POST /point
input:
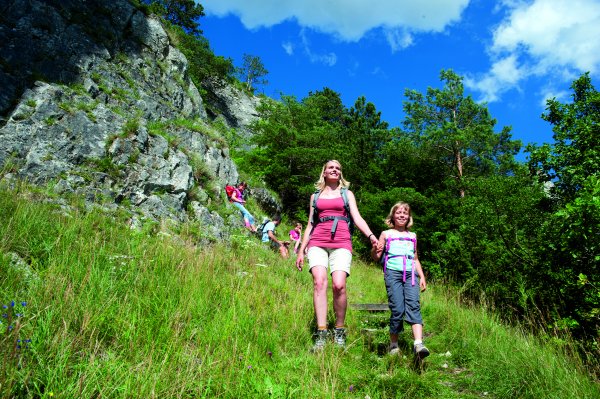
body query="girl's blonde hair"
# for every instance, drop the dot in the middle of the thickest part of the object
(390, 218)
(320, 184)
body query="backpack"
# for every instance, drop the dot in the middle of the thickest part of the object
(316, 219)
(385, 256)
(229, 191)
(261, 227)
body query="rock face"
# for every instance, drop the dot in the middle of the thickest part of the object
(92, 100)
(233, 106)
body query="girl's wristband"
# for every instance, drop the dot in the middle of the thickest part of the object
(369, 236)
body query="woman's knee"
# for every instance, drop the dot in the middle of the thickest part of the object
(319, 281)
(339, 287)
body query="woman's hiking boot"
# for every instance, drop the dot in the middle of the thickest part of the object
(320, 340)
(339, 337)
(421, 351)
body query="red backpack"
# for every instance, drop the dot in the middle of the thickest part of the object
(229, 190)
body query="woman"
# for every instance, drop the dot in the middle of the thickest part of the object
(327, 239)
(237, 198)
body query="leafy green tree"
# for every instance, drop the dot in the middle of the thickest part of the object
(498, 229)
(458, 132)
(575, 154)
(253, 71)
(290, 150)
(362, 138)
(328, 104)
(571, 167)
(184, 13)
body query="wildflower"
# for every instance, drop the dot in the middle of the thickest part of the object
(351, 388)
(249, 367)
(5, 315)
(4, 306)
(270, 354)
(23, 303)
(12, 304)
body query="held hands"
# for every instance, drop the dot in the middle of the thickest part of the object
(374, 241)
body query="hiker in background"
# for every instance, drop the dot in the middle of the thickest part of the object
(295, 235)
(328, 241)
(268, 235)
(242, 187)
(403, 277)
(237, 198)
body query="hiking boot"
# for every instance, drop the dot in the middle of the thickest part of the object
(421, 351)
(339, 337)
(320, 340)
(394, 350)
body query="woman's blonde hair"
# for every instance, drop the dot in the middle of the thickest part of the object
(390, 218)
(320, 184)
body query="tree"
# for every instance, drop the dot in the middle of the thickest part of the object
(253, 71)
(363, 137)
(457, 131)
(184, 13)
(328, 103)
(290, 150)
(572, 243)
(575, 154)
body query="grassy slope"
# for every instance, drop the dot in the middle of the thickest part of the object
(114, 313)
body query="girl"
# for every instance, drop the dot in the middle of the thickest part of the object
(237, 198)
(295, 235)
(398, 246)
(330, 247)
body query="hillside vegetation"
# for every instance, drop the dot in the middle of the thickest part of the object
(93, 309)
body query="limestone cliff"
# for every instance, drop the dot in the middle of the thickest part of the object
(95, 100)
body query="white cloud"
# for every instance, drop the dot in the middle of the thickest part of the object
(353, 70)
(288, 48)
(552, 38)
(348, 20)
(505, 74)
(329, 59)
(548, 93)
(398, 39)
(378, 71)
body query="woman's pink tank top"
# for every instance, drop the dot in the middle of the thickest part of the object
(321, 235)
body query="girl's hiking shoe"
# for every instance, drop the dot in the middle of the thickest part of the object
(320, 340)
(339, 337)
(421, 351)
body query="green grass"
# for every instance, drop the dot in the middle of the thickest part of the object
(115, 313)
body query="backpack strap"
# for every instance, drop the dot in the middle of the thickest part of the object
(347, 219)
(315, 218)
(387, 256)
(344, 192)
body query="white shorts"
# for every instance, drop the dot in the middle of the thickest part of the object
(334, 258)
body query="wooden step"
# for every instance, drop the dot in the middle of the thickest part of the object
(371, 307)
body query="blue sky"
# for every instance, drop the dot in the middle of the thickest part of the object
(512, 54)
